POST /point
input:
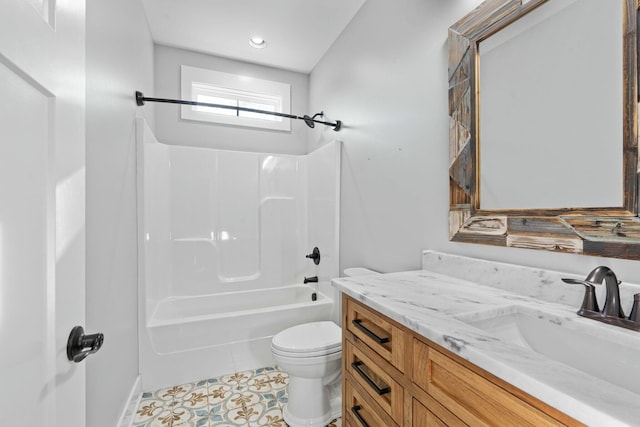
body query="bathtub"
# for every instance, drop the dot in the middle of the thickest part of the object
(189, 323)
(221, 257)
(188, 339)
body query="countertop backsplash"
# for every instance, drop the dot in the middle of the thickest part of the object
(537, 283)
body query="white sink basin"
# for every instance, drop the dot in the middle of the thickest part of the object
(597, 349)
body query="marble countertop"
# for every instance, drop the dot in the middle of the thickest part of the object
(432, 304)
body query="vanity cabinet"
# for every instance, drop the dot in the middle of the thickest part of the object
(395, 377)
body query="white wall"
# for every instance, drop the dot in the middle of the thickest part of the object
(119, 61)
(386, 78)
(171, 129)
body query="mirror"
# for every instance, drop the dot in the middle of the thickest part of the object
(537, 85)
(543, 126)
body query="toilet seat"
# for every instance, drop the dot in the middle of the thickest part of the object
(308, 340)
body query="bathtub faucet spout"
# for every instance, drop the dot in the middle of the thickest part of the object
(313, 279)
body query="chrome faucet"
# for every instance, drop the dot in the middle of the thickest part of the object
(612, 310)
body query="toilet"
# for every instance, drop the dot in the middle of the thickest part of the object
(311, 354)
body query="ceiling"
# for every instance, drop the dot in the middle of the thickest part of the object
(298, 32)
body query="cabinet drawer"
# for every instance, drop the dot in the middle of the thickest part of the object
(345, 422)
(359, 412)
(374, 330)
(382, 388)
(476, 400)
(422, 417)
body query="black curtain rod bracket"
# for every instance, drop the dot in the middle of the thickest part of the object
(310, 121)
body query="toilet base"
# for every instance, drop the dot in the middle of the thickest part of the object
(311, 403)
(321, 421)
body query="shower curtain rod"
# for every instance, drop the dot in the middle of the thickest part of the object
(310, 121)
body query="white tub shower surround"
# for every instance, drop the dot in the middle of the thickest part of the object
(223, 238)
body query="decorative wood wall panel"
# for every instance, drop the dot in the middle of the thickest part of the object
(612, 232)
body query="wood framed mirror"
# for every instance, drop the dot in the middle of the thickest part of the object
(602, 222)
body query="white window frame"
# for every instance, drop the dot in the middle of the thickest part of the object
(196, 81)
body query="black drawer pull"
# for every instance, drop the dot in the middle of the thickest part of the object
(358, 324)
(380, 391)
(355, 410)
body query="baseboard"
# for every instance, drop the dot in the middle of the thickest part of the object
(130, 407)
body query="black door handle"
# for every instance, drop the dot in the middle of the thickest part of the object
(79, 345)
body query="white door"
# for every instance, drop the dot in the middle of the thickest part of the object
(42, 181)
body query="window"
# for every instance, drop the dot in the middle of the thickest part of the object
(215, 87)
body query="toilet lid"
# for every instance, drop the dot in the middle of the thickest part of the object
(323, 337)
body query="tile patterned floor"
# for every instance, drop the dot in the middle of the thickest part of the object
(248, 399)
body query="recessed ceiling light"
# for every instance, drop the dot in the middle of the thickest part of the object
(257, 42)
